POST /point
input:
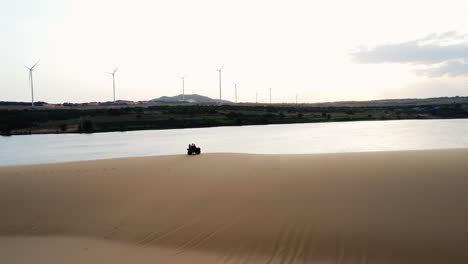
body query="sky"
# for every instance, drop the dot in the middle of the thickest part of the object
(319, 50)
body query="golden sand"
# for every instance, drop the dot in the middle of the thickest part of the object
(384, 207)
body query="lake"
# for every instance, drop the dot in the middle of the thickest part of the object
(272, 139)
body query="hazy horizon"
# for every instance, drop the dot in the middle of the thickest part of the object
(322, 52)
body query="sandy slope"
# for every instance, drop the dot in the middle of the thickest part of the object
(387, 207)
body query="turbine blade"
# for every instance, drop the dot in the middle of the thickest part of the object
(35, 65)
(222, 66)
(116, 69)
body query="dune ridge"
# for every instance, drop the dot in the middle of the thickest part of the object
(382, 207)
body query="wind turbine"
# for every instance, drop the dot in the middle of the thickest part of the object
(220, 69)
(296, 99)
(235, 90)
(183, 87)
(31, 82)
(113, 80)
(256, 97)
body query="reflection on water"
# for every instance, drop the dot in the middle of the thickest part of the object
(293, 138)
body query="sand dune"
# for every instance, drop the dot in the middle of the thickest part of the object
(385, 207)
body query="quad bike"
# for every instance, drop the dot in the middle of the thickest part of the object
(193, 150)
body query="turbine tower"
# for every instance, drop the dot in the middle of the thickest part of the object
(235, 90)
(220, 69)
(296, 98)
(270, 95)
(256, 97)
(183, 87)
(113, 80)
(31, 82)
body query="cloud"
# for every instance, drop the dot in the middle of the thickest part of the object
(449, 68)
(437, 54)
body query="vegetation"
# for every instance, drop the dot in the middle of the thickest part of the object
(5, 103)
(69, 120)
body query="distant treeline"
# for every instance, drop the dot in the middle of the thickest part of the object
(6, 103)
(43, 120)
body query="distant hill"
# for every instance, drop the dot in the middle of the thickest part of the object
(191, 98)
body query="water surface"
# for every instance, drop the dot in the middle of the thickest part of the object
(272, 139)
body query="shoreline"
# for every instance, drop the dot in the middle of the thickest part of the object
(230, 153)
(55, 132)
